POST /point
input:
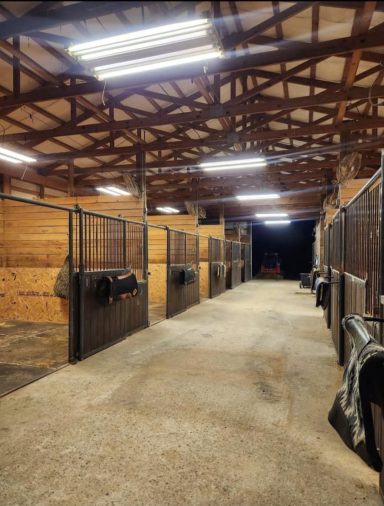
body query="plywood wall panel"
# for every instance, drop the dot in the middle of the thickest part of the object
(157, 245)
(157, 284)
(212, 230)
(204, 280)
(183, 222)
(28, 295)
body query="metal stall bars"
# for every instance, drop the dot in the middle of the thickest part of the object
(107, 246)
(217, 266)
(327, 269)
(246, 262)
(182, 260)
(362, 250)
(337, 286)
(233, 263)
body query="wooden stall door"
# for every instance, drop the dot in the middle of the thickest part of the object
(236, 264)
(246, 263)
(228, 263)
(183, 251)
(217, 271)
(107, 247)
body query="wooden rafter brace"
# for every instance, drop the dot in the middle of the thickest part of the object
(362, 21)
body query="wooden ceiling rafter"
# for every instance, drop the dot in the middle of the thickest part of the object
(231, 109)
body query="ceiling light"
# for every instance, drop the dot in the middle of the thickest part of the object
(12, 156)
(117, 190)
(155, 62)
(139, 46)
(271, 215)
(277, 222)
(167, 210)
(8, 159)
(236, 163)
(238, 166)
(151, 49)
(156, 33)
(105, 190)
(266, 196)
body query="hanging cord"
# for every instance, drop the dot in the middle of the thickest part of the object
(102, 95)
(25, 171)
(370, 99)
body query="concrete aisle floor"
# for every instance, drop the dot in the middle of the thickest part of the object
(225, 404)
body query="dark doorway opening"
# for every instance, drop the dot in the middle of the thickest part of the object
(292, 242)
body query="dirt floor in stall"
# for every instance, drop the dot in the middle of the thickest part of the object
(225, 404)
(30, 350)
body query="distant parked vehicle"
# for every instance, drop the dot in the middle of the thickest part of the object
(271, 264)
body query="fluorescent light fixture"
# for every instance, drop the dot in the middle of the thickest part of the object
(8, 159)
(271, 215)
(260, 196)
(277, 222)
(131, 38)
(117, 190)
(155, 62)
(12, 156)
(133, 52)
(167, 210)
(234, 164)
(245, 161)
(109, 192)
(140, 46)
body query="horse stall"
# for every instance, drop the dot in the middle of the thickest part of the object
(362, 251)
(157, 273)
(357, 269)
(183, 271)
(209, 276)
(34, 292)
(246, 262)
(204, 278)
(158, 258)
(337, 284)
(109, 281)
(217, 266)
(327, 271)
(233, 263)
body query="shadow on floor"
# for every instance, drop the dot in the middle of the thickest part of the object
(29, 351)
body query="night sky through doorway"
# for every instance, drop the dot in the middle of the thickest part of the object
(292, 242)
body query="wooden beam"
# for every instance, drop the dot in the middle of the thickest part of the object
(373, 38)
(362, 21)
(213, 112)
(16, 68)
(31, 176)
(48, 18)
(237, 39)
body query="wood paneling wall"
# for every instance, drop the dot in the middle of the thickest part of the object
(212, 230)
(128, 207)
(349, 189)
(33, 246)
(183, 222)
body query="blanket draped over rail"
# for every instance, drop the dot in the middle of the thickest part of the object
(323, 292)
(188, 275)
(220, 269)
(351, 413)
(114, 288)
